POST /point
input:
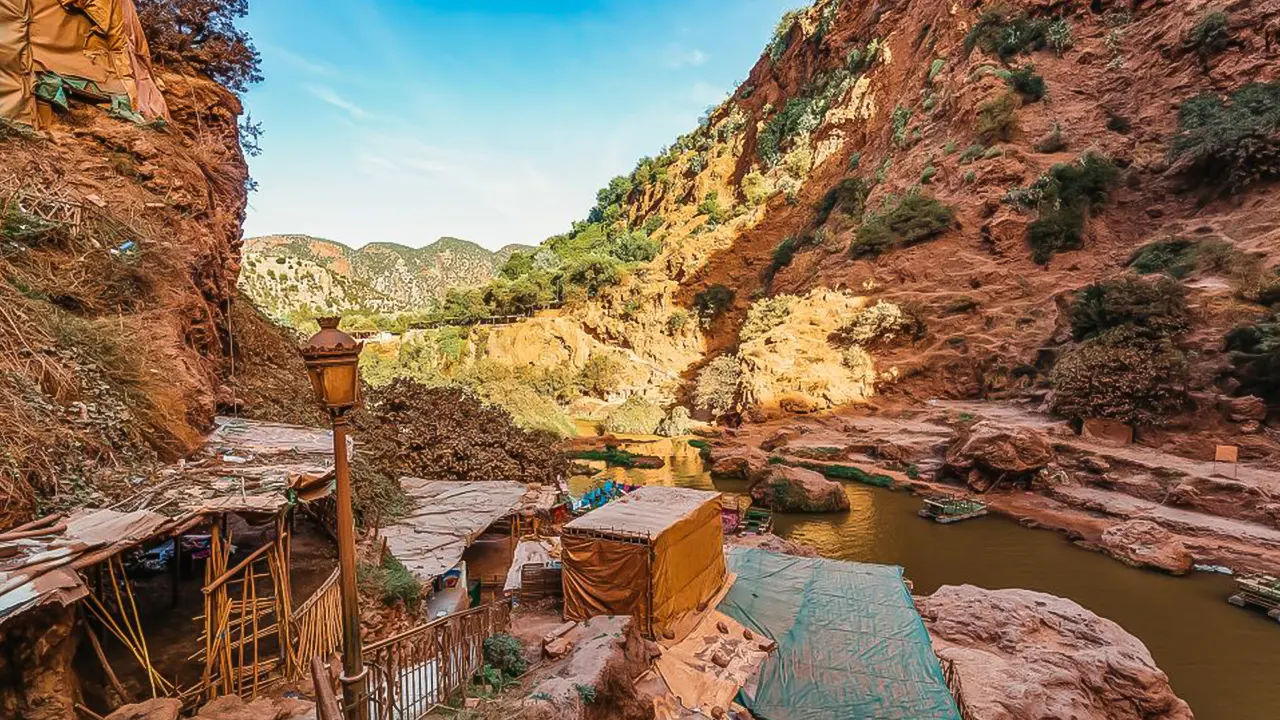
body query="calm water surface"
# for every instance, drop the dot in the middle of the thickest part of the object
(1224, 661)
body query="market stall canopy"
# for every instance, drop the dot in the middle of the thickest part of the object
(52, 50)
(656, 554)
(38, 565)
(447, 518)
(850, 642)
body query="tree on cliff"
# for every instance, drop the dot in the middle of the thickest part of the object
(202, 35)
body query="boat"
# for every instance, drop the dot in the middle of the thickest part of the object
(733, 511)
(601, 496)
(757, 521)
(1261, 591)
(948, 510)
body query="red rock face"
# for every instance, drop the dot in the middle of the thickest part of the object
(1024, 655)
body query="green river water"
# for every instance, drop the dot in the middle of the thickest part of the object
(1224, 661)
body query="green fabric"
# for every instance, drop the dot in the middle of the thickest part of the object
(51, 88)
(850, 642)
(57, 90)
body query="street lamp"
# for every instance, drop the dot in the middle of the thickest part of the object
(333, 364)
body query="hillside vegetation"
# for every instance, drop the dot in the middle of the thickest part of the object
(295, 278)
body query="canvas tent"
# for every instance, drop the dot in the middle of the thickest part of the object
(51, 50)
(447, 518)
(655, 554)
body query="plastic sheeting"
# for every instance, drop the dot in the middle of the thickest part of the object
(850, 642)
(447, 517)
(656, 555)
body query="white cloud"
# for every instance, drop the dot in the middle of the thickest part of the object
(327, 95)
(300, 62)
(678, 58)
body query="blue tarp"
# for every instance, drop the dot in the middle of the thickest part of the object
(850, 642)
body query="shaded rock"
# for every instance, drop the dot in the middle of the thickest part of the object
(893, 452)
(735, 466)
(1142, 543)
(989, 452)
(1246, 409)
(230, 707)
(156, 709)
(772, 543)
(777, 440)
(1024, 655)
(788, 489)
(1107, 432)
(1095, 465)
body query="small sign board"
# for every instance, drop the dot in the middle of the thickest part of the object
(1227, 454)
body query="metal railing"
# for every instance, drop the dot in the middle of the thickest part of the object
(957, 689)
(413, 672)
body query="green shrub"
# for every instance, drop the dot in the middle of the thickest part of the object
(901, 122)
(505, 654)
(635, 247)
(1256, 284)
(718, 384)
(998, 119)
(1001, 32)
(781, 39)
(677, 321)
(594, 273)
(971, 153)
(928, 174)
(1212, 34)
(785, 252)
(1152, 307)
(912, 219)
(598, 377)
(1255, 358)
(610, 454)
(391, 581)
(1230, 145)
(713, 301)
(935, 68)
(1121, 375)
(755, 189)
(1026, 83)
(1064, 196)
(848, 197)
(636, 416)
(710, 206)
(765, 315)
(881, 324)
(1179, 257)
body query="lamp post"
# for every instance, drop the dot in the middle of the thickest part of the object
(332, 359)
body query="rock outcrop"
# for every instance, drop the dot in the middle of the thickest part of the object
(1142, 543)
(154, 709)
(989, 452)
(789, 489)
(1024, 655)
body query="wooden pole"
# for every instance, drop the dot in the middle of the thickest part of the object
(106, 666)
(176, 576)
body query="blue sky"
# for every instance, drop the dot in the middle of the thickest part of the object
(402, 121)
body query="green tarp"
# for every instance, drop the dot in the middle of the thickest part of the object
(850, 642)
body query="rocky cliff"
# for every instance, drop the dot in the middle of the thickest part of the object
(119, 254)
(940, 182)
(289, 274)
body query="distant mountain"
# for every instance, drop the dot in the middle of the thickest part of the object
(288, 273)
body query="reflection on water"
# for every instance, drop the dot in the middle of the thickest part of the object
(1222, 660)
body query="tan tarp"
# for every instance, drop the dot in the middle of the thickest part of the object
(16, 101)
(447, 518)
(656, 555)
(692, 673)
(98, 40)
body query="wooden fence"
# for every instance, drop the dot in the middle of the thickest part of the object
(957, 690)
(419, 669)
(317, 626)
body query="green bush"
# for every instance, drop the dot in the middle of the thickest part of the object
(1064, 196)
(718, 384)
(785, 252)
(391, 581)
(881, 324)
(1002, 32)
(710, 206)
(1255, 358)
(1151, 307)
(1179, 257)
(998, 119)
(848, 197)
(677, 321)
(713, 301)
(1212, 34)
(912, 219)
(505, 654)
(1230, 145)
(781, 39)
(901, 123)
(1026, 83)
(598, 377)
(971, 153)
(765, 315)
(636, 416)
(1121, 375)
(635, 247)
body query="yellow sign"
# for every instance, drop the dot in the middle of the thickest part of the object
(1227, 454)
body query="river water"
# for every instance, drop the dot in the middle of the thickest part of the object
(1224, 661)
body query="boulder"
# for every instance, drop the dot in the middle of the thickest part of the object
(155, 709)
(789, 489)
(1246, 409)
(1142, 543)
(777, 440)
(734, 466)
(989, 452)
(230, 707)
(1107, 432)
(1024, 655)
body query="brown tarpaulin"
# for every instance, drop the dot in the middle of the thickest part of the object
(656, 578)
(97, 40)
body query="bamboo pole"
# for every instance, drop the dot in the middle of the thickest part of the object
(106, 666)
